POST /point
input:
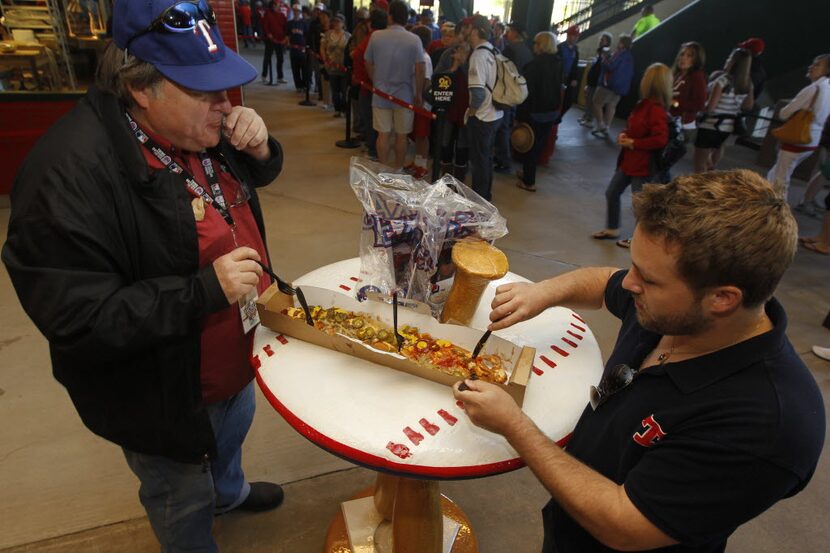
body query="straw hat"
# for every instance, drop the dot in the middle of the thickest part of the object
(521, 138)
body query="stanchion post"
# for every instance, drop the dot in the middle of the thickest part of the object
(349, 142)
(443, 88)
(307, 101)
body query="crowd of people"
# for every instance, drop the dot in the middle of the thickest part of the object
(131, 210)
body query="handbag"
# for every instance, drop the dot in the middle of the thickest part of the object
(796, 130)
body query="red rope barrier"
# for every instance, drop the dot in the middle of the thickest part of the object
(417, 109)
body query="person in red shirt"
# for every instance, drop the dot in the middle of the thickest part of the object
(689, 90)
(275, 29)
(647, 131)
(246, 29)
(378, 20)
(153, 253)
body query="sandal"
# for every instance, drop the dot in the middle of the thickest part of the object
(624, 243)
(605, 234)
(814, 247)
(528, 187)
(806, 240)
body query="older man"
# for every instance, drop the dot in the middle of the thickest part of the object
(705, 415)
(134, 245)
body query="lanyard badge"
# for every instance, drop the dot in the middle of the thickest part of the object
(215, 197)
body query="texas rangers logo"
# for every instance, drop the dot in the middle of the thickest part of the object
(204, 27)
(652, 433)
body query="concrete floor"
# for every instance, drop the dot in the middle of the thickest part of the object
(64, 489)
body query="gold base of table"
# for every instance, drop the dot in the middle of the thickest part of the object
(337, 539)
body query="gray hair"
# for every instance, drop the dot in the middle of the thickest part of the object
(118, 71)
(546, 42)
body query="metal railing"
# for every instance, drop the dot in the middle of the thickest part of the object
(587, 13)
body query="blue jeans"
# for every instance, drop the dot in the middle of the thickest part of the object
(482, 137)
(619, 182)
(181, 499)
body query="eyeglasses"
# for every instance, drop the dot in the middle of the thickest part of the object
(181, 17)
(612, 382)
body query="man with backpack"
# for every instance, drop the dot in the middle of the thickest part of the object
(483, 118)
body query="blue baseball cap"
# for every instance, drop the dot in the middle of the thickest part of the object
(181, 40)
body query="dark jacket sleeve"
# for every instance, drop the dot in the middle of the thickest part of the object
(256, 173)
(69, 264)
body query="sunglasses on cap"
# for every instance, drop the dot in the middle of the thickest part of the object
(181, 17)
(612, 382)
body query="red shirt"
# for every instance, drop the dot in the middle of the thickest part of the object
(648, 126)
(689, 95)
(275, 26)
(225, 367)
(435, 45)
(244, 12)
(359, 72)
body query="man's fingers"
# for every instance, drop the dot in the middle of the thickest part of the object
(506, 321)
(250, 266)
(244, 252)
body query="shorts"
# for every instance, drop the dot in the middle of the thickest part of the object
(421, 127)
(399, 120)
(708, 138)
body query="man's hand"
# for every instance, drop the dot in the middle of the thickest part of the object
(238, 272)
(490, 407)
(246, 131)
(624, 141)
(516, 302)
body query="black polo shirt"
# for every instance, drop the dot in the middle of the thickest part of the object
(701, 446)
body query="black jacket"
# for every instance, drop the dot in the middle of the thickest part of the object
(544, 86)
(103, 254)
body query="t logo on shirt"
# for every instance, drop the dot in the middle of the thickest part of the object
(653, 432)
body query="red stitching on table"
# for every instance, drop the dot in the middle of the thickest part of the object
(447, 417)
(268, 351)
(548, 362)
(578, 318)
(282, 339)
(579, 328)
(399, 449)
(570, 343)
(344, 287)
(431, 429)
(255, 362)
(354, 279)
(413, 436)
(538, 371)
(560, 351)
(575, 335)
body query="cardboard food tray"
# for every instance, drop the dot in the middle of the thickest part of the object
(519, 360)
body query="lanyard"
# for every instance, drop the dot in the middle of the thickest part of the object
(218, 198)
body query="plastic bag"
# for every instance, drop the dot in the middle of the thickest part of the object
(409, 227)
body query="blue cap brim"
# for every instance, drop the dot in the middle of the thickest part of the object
(229, 72)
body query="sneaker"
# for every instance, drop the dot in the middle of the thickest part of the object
(823, 353)
(502, 168)
(409, 169)
(264, 496)
(529, 187)
(281, 81)
(373, 156)
(600, 133)
(419, 172)
(586, 123)
(264, 79)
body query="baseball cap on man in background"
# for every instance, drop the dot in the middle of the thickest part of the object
(755, 46)
(181, 40)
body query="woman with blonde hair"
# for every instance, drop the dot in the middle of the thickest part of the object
(647, 132)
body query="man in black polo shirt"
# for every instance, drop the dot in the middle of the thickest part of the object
(705, 415)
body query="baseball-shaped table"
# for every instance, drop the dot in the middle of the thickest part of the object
(409, 429)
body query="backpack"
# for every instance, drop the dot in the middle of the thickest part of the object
(510, 88)
(674, 149)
